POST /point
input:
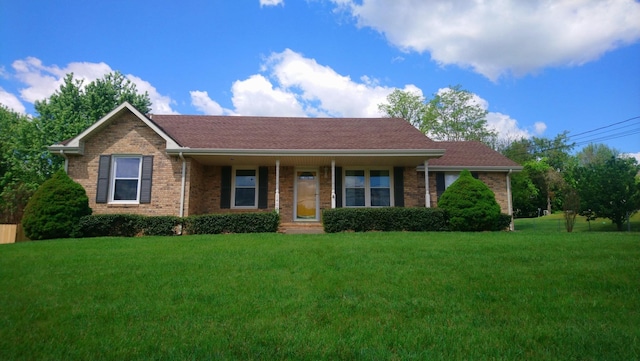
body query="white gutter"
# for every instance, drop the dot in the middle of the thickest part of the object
(184, 179)
(309, 152)
(471, 168)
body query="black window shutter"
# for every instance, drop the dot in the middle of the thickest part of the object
(225, 188)
(338, 187)
(104, 170)
(398, 186)
(145, 179)
(263, 187)
(475, 175)
(440, 186)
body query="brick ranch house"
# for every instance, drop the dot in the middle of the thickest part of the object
(185, 165)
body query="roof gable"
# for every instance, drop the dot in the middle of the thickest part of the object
(76, 144)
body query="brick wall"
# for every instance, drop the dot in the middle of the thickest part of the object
(126, 134)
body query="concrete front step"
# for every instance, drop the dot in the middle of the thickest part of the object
(301, 228)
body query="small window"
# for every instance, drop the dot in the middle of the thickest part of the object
(367, 188)
(245, 194)
(126, 179)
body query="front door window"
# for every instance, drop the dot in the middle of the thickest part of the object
(306, 195)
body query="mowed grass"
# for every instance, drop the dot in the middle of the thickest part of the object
(555, 223)
(385, 296)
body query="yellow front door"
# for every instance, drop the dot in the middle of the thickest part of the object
(306, 194)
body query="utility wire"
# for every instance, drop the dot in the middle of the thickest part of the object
(586, 137)
(607, 126)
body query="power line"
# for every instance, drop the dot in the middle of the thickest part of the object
(586, 137)
(607, 126)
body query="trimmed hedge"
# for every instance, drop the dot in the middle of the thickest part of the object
(130, 225)
(384, 219)
(260, 222)
(126, 225)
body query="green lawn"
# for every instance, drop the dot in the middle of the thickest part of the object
(555, 223)
(435, 296)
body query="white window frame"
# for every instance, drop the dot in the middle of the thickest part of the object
(234, 187)
(113, 179)
(367, 186)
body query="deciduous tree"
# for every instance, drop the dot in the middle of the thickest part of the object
(453, 115)
(611, 190)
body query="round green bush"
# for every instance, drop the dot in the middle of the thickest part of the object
(55, 208)
(471, 205)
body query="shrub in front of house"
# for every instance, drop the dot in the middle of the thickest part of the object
(55, 208)
(126, 225)
(108, 225)
(384, 219)
(257, 222)
(472, 206)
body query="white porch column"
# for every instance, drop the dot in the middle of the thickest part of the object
(427, 195)
(509, 200)
(277, 205)
(333, 183)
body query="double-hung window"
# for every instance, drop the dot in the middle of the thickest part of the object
(126, 179)
(245, 194)
(367, 188)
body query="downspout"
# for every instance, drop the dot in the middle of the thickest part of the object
(509, 201)
(277, 200)
(184, 181)
(427, 195)
(333, 183)
(66, 161)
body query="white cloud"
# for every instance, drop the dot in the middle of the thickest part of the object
(507, 127)
(292, 85)
(321, 90)
(11, 101)
(41, 81)
(202, 102)
(257, 96)
(496, 38)
(632, 155)
(160, 104)
(539, 128)
(271, 2)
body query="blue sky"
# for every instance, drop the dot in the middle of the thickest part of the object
(538, 67)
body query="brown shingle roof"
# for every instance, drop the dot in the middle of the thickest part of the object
(248, 132)
(470, 154)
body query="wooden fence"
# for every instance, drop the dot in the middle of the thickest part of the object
(11, 233)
